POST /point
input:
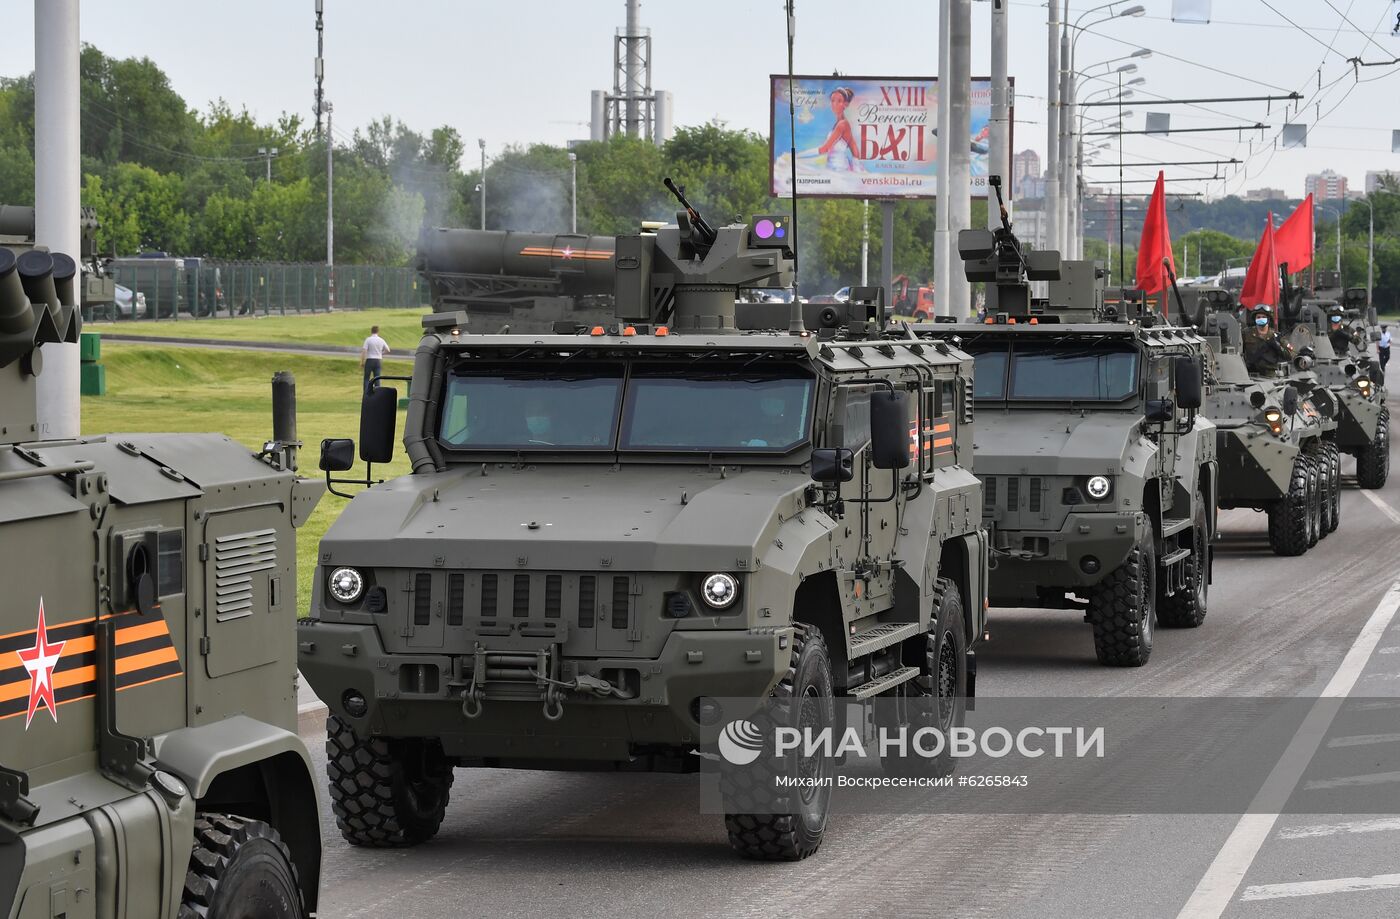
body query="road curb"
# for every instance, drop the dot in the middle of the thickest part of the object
(311, 720)
(230, 343)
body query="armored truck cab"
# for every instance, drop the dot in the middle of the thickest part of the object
(1098, 469)
(606, 530)
(149, 761)
(1273, 436)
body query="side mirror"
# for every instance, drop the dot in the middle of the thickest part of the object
(889, 430)
(832, 465)
(378, 419)
(337, 454)
(1160, 411)
(1290, 400)
(1188, 382)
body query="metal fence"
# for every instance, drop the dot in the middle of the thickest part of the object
(194, 288)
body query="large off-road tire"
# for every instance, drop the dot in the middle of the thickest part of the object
(385, 793)
(1314, 498)
(1121, 609)
(1334, 462)
(803, 698)
(1288, 518)
(1186, 609)
(1323, 461)
(1373, 460)
(240, 869)
(937, 697)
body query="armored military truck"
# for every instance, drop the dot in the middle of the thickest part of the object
(149, 762)
(1274, 446)
(1098, 467)
(96, 293)
(1337, 362)
(605, 530)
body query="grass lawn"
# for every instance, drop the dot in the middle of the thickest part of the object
(160, 388)
(400, 327)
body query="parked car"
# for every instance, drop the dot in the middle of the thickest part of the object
(129, 307)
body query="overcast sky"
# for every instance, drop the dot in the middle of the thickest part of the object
(521, 71)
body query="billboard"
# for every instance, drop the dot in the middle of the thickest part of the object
(868, 137)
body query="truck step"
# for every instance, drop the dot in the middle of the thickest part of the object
(888, 681)
(881, 636)
(1173, 525)
(1171, 558)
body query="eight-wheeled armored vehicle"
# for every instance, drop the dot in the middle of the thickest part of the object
(606, 528)
(149, 762)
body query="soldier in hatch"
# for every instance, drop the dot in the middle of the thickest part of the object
(1263, 350)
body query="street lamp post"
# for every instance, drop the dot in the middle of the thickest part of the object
(1370, 247)
(573, 197)
(1338, 214)
(268, 153)
(482, 187)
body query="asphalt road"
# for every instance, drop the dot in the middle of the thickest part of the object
(533, 844)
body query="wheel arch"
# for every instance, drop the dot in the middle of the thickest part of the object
(253, 769)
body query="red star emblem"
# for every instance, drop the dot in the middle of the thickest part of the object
(568, 252)
(40, 661)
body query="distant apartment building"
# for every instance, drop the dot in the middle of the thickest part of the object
(1326, 186)
(1374, 179)
(1023, 164)
(1265, 194)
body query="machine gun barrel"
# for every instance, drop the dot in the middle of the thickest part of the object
(703, 230)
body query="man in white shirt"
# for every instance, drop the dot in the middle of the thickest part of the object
(1383, 347)
(372, 355)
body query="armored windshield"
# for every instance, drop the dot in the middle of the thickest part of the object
(609, 407)
(715, 411)
(537, 409)
(1103, 371)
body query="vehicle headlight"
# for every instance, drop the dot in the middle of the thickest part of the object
(1273, 416)
(346, 585)
(1364, 385)
(719, 591)
(1098, 487)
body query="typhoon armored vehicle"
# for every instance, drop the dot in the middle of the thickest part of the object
(1098, 467)
(149, 765)
(607, 529)
(1274, 443)
(1338, 359)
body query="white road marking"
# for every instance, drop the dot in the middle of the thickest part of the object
(1353, 781)
(1386, 509)
(1218, 885)
(1313, 888)
(1372, 706)
(1392, 650)
(1308, 831)
(1362, 740)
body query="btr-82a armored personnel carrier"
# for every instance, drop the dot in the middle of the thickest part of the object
(1273, 436)
(149, 762)
(1098, 468)
(607, 528)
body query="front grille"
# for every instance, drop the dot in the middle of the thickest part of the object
(587, 600)
(422, 598)
(520, 601)
(553, 595)
(1035, 495)
(456, 598)
(620, 596)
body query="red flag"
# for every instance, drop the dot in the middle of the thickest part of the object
(1156, 243)
(1261, 280)
(1293, 242)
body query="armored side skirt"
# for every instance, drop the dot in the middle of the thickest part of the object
(1255, 467)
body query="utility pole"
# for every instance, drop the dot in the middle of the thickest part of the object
(268, 153)
(330, 211)
(573, 196)
(999, 136)
(320, 65)
(942, 250)
(1052, 131)
(865, 242)
(959, 291)
(482, 187)
(57, 189)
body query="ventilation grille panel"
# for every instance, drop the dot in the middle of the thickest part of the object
(237, 558)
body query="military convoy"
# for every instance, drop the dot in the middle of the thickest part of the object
(607, 528)
(1275, 428)
(149, 760)
(1098, 466)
